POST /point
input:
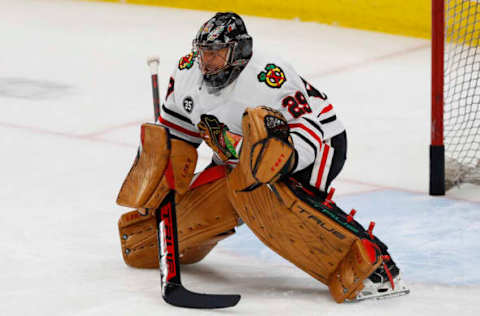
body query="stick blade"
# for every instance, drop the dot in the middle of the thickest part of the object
(177, 295)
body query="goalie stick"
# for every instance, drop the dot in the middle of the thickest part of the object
(153, 63)
(173, 292)
(172, 289)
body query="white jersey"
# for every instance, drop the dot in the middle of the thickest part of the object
(264, 81)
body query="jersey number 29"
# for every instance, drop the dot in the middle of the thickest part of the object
(297, 105)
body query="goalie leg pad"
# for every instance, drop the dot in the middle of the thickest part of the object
(305, 235)
(193, 254)
(138, 237)
(360, 262)
(291, 227)
(204, 214)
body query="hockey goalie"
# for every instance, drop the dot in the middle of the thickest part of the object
(277, 145)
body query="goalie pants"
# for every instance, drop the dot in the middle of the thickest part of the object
(339, 145)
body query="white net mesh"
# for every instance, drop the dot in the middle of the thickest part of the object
(462, 92)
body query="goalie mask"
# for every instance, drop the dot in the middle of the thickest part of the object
(224, 48)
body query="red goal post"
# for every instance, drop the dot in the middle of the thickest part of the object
(437, 151)
(455, 94)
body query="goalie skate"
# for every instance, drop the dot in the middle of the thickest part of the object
(381, 290)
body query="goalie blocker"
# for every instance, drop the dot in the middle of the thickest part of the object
(313, 233)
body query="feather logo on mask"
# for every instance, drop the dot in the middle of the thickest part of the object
(215, 33)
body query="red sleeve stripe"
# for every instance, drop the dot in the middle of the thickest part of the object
(326, 109)
(178, 128)
(321, 170)
(309, 131)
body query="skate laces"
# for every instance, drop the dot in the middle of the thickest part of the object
(385, 258)
(328, 200)
(387, 270)
(330, 194)
(370, 229)
(351, 215)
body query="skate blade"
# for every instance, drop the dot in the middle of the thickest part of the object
(382, 291)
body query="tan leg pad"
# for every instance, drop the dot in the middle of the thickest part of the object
(303, 235)
(138, 236)
(204, 213)
(347, 279)
(194, 254)
(204, 217)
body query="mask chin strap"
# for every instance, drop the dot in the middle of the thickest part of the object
(231, 53)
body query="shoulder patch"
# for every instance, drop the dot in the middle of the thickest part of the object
(186, 62)
(188, 104)
(273, 76)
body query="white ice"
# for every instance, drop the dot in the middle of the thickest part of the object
(74, 88)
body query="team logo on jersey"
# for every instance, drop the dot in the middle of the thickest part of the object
(186, 62)
(273, 76)
(188, 104)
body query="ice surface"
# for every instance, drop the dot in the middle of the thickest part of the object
(74, 88)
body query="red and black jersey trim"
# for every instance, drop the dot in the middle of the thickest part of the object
(312, 92)
(178, 128)
(308, 130)
(182, 139)
(329, 120)
(306, 140)
(176, 115)
(314, 125)
(171, 87)
(326, 109)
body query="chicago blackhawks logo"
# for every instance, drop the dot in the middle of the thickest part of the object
(186, 62)
(273, 76)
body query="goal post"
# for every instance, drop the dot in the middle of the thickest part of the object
(455, 94)
(437, 151)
